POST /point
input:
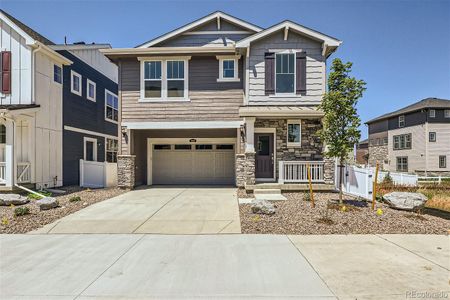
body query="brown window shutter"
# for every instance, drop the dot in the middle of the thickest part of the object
(6, 72)
(269, 83)
(301, 73)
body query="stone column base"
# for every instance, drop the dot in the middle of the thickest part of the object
(245, 169)
(329, 169)
(126, 171)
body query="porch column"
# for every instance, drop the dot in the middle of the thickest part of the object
(250, 134)
(9, 153)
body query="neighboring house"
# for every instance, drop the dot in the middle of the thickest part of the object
(222, 101)
(38, 111)
(362, 152)
(414, 139)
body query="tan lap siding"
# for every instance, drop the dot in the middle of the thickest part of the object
(209, 99)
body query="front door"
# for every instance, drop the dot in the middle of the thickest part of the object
(264, 155)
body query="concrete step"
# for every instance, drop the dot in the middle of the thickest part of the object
(266, 191)
(270, 197)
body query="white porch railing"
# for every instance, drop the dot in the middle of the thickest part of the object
(23, 172)
(297, 171)
(2, 172)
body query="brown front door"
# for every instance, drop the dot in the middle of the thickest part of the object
(264, 155)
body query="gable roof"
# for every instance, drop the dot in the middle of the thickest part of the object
(422, 104)
(289, 25)
(210, 17)
(27, 30)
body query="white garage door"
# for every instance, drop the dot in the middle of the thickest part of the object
(193, 164)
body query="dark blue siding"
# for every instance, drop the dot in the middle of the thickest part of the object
(73, 149)
(79, 112)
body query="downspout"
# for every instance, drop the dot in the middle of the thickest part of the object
(426, 143)
(14, 170)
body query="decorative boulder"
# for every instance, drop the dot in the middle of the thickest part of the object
(15, 199)
(47, 203)
(405, 201)
(263, 207)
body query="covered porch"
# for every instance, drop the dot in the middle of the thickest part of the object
(16, 147)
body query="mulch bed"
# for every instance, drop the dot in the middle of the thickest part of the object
(37, 218)
(295, 216)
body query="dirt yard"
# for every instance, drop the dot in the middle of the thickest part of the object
(36, 218)
(295, 216)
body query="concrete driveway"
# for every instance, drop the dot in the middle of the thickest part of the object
(137, 266)
(163, 210)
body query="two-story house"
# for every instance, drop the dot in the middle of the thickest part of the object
(414, 139)
(223, 101)
(54, 107)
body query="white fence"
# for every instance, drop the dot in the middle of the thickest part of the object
(297, 171)
(399, 178)
(95, 174)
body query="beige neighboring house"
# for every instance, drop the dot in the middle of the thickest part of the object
(414, 139)
(223, 101)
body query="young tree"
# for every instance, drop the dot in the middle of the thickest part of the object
(341, 121)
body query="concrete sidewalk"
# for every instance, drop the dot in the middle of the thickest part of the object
(226, 266)
(162, 210)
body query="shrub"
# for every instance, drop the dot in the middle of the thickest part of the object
(388, 179)
(36, 197)
(21, 211)
(75, 199)
(306, 196)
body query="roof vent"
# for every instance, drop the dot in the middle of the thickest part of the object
(79, 43)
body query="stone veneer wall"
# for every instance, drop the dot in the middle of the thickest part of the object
(126, 171)
(378, 154)
(311, 149)
(245, 169)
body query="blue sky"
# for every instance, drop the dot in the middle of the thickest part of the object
(400, 48)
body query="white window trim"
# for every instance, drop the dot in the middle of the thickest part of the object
(447, 113)
(295, 122)
(221, 59)
(293, 94)
(164, 97)
(106, 147)
(106, 104)
(61, 68)
(88, 139)
(88, 81)
(432, 113)
(430, 134)
(402, 117)
(73, 73)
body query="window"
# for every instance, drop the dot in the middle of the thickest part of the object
(403, 141)
(161, 147)
(164, 80)
(183, 147)
(91, 90)
(442, 161)
(112, 147)
(111, 107)
(90, 149)
(225, 147)
(401, 121)
(294, 135)
(402, 164)
(175, 79)
(432, 136)
(2, 134)
(203, 147)
(228, 68)
(57, 74)
(75, 83)
(447, 113)
(284, 73)
(385, 140)
(152, 79)
(432, 113)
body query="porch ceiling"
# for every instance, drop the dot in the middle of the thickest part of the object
(183, 125)
(280, 111)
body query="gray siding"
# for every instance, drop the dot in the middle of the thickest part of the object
(315, 72)
(209, 99)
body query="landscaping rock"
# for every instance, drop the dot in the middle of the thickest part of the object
(263, 207)
(405, 200)
(47, 203)
(15, 199)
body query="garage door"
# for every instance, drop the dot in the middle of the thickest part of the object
(193, 164)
